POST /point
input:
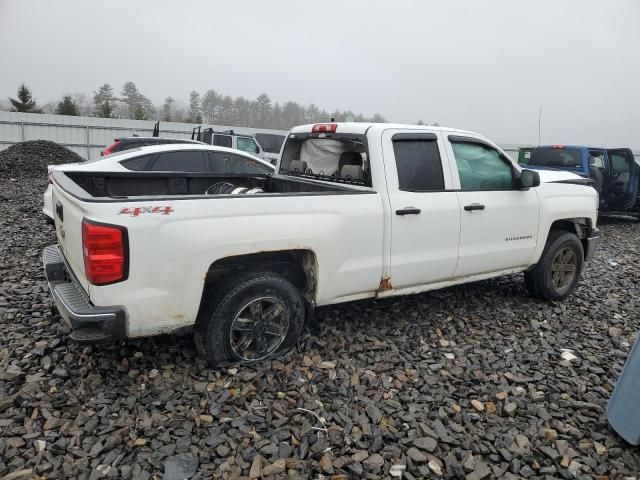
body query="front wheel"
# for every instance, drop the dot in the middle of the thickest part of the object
(257, 317)
(557, 273)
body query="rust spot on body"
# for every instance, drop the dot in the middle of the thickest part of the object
(385, 284)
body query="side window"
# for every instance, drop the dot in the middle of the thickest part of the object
(137, 164)
(229, 163)
(481, 167)
(419, 165)
(222, 140)
(247, 144)
(596, 159)
(619, 164)
(185, 161)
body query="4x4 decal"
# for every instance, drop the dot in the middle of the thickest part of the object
(137, 211)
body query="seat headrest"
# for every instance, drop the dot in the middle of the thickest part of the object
(349, 158)
(354, 172)
(298, 166)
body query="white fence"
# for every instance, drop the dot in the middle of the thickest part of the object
(88, 136)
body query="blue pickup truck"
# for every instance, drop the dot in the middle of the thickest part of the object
(614, 171)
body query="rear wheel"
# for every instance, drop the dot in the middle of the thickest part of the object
(557, 273)
(257, 318)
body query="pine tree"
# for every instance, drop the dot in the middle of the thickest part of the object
(195, 109)
(104, 101)
(263, 110)
(139, 107)
(210, 105)
(25, 101)
(167, 109)
(67, 107)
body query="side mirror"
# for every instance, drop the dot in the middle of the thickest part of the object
(529, 178)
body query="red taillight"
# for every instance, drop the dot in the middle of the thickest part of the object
(324, 128)
(557, 146)
(105, 252)
(110, 148)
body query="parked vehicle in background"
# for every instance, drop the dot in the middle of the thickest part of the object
(184, 157)
(128, 143)
(524, 154)
(614, 171)
(230, 139)
(271, 144)
(135, 141)
(356, 210)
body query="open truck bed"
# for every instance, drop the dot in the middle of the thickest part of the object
(118, 186)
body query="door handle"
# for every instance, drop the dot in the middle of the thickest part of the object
(473, 206)
(408, 211)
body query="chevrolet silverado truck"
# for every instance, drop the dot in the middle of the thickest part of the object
(353, 211)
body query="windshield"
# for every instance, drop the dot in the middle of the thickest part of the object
(342, 159)
(557, 157)
(270, 142)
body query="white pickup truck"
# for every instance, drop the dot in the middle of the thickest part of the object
(354, 211)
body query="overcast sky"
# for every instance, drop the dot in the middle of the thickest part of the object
(480, 65)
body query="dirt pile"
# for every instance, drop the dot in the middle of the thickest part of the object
(30, 159)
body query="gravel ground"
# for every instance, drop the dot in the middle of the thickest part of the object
(466, 382)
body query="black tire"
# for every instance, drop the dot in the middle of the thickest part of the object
(540, 281)
(215, 336)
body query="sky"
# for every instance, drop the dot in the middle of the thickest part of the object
(486, 66)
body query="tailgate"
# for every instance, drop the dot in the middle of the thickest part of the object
(68, 213)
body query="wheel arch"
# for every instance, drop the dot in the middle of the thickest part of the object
(299, 266)
(581, 226)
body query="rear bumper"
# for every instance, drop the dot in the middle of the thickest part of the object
(593, 241)
(90, 324)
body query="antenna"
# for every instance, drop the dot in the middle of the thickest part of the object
(539, 124)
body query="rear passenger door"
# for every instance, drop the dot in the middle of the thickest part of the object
(425, 214)
(499, 221)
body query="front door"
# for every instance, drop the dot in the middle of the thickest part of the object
(425, 215)
(622, 185)
(499, 222)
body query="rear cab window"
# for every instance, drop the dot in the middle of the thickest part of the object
(334, 157)
(557, 157)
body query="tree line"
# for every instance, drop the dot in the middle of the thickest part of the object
(210, 107)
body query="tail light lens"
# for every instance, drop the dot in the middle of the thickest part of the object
(105, 249)
(324, 128)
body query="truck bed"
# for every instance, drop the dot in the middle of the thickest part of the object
(117, 185)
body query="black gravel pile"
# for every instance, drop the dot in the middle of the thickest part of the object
(30, 159)
(474, 382)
